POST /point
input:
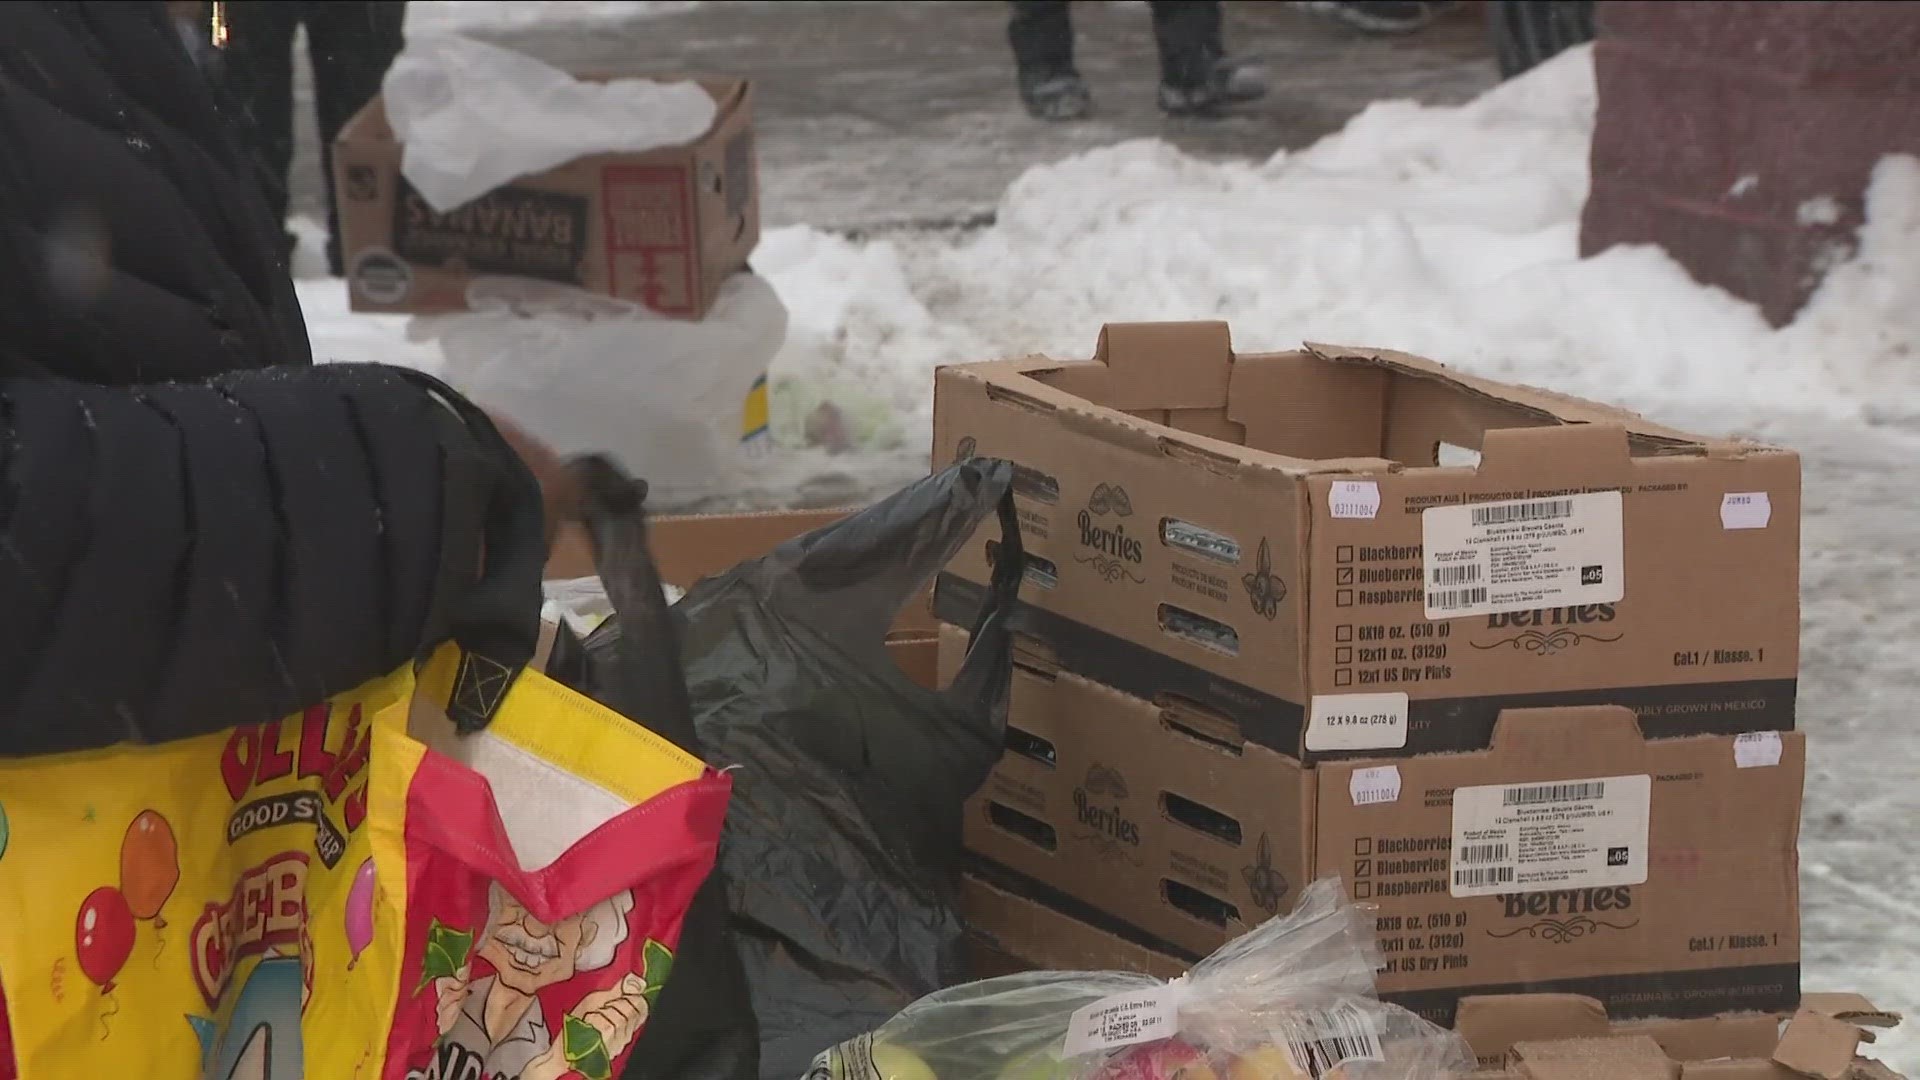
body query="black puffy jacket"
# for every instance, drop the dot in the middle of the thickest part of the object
(198, 527)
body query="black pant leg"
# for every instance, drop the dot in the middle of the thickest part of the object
(351, 44)
(1042, 35)
(256, 70)
(1188, 35)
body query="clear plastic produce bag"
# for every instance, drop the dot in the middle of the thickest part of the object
(1293, 1000)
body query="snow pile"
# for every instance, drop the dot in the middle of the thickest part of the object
(472, 116)
(460, 16)
(1450, 232)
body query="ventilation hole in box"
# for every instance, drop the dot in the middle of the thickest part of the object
(1199, 905)
(1036, 667)
(1025, 826)
(1200, 817)
(1041, 573)
(1188, 537)
(1449, 456)
(1035, 485)
(1183, 716)
(1197, 629)
(1029, 745)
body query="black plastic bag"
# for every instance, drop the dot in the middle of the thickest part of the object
(702, 1028)
(843, 839)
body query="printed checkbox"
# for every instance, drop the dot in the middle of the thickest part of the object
(1343, 655)
(1363, 890)
(1343, 553)
(1363, 845)
(1343, 676)
(1343, 575)
(1362, 868)
(1343, 598)
(1343, 632)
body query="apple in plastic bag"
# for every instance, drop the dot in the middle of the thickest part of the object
(1168, 1059)
(1265, 1063)
(897, 1063)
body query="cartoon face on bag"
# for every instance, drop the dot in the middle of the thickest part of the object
(496, 1026)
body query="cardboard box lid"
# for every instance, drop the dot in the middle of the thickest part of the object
(1179, 386)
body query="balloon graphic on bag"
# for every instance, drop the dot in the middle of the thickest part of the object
(103, 936)
(4, 834)
(149, 866)
(360, 911)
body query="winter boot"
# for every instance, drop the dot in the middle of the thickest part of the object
(1058, 97)
(1380, 16)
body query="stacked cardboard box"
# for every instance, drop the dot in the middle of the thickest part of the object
(1520, 668)
(664, 228)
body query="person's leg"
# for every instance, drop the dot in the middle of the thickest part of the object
(1041, 32)
(352, 43)
(1196, 78)
(256, 71)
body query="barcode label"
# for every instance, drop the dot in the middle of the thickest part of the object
(1480, 877)
(1553, 793)
(1483, 853)
(1323, 1040)
(1456, 575)
(1509, 513)
(1523, 555)
(1544, 837)
(1455, 599)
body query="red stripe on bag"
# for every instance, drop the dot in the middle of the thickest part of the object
(452, 807)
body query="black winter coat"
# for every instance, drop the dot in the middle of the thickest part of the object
(198, 528)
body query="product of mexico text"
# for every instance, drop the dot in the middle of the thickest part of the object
(353, 891)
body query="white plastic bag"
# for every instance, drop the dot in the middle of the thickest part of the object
(1290, 1001)
(594, 374)
(471, 116)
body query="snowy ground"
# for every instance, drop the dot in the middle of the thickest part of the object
(1449, 232)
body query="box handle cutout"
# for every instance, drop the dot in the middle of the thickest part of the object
(1028, 745)
(1192, 902)
(1041, 572)
(1025, 826)
(1200, 818)
(1034, 667)
(1209, 728)
(1197, 629)
(1209, 460)
(1206, 543)
(1035, 485)
(1451, 456)
(1018, 400)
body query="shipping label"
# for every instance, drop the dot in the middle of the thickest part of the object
(1523, 555)
(1357, 722)
(1562, 834)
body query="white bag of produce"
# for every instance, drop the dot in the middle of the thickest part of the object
(593, 374)
(1293, 1000)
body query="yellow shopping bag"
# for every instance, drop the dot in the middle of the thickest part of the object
(156, 894)
(529, 883)
(419, 902)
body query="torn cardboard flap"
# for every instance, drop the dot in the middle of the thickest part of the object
(1633, 1057)
(1493, 1024)
(1818, 1046)
(1852, 1008)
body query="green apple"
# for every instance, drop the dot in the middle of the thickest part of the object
(898, 1063)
